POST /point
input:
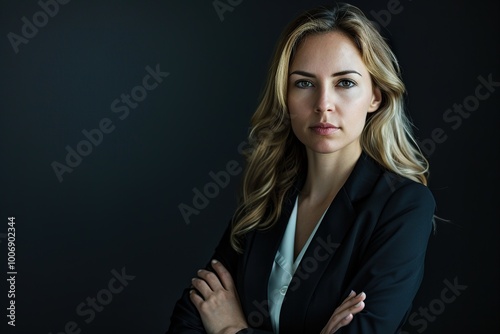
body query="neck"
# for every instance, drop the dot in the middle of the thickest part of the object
(326, 174)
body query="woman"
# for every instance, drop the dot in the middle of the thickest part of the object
(334, 196)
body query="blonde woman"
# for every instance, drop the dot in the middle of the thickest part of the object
(335, 216)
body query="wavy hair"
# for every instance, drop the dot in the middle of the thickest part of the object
(276, 157)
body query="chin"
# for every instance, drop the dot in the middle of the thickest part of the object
(329, 147)
(324, 149)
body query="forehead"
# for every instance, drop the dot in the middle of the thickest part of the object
(331, 51)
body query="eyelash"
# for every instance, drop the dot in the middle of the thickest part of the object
(350, 84)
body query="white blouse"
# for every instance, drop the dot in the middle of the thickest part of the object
(284, 267)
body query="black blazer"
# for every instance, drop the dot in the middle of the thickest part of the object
(373, 238)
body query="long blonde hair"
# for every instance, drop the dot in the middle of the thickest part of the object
(276, 157)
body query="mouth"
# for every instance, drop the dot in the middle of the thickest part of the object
(324, 128)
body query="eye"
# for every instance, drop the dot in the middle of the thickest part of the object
(346, 83)
(303, 84)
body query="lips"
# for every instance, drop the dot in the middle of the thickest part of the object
(324, 128)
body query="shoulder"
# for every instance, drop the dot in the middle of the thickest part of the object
(401, 190)
(389, 195)
(387, 186)
(408, 207)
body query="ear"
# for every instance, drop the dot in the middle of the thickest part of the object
(376, 99)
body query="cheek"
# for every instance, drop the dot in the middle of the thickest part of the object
(356, 107)
(292, 104)
(297, 110)
(356, 98)
(300, 100)
(355, 121)
(297, 122)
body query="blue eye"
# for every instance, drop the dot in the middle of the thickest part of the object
(303, 84)
(345, 83)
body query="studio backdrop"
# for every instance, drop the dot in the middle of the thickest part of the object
(122, 126)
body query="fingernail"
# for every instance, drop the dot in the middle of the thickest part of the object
(199, 271)
(214, 261)
(192, 279)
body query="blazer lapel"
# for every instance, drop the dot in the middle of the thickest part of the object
(262, 246)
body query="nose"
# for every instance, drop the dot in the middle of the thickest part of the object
(324, 101)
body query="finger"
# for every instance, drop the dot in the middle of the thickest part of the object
(195, 299)
(345, 310)
(351, 310)
(225, 276)
(355, 309)
(351, 295)
(344, 314)
(342, 318)
(210, 278)
(202, 287)
(349, 302)
(345, 321)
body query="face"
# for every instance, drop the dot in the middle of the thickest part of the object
(329, 94)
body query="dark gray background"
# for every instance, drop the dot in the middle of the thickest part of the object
(119, 207)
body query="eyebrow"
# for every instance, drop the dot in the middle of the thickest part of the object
(307, 74)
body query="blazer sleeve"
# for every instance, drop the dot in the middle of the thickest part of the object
(185, 317)
(391, 266)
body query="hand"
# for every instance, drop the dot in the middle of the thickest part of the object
(218, 301)
(343, 315)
